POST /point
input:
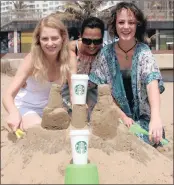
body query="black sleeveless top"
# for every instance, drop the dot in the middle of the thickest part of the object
(76, 50)
(126, 75)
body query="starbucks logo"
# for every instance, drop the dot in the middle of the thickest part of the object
(79, 89)
(81, 147)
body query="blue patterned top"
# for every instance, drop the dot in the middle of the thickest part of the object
(106, 70)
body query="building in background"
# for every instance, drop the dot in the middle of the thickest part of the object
(11, 38)
(160, 15)
(4, 42)
(22, 22)
(6, 6)
(45, 7)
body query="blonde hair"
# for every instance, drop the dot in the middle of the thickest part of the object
(41, 64)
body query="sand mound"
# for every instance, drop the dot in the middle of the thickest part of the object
(79, 116)
(104, 117)
(42, 156)
(55, 117)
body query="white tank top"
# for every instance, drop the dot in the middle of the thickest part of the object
(34, 95)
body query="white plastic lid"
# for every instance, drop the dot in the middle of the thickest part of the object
(79, 76)
(79, 132)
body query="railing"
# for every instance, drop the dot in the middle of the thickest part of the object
(156, 15)
(22, 15)
(152, 15)
(26, 15)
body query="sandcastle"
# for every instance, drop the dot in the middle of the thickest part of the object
(54, 115)
(104, 118)
(79, 116)
(42, 156)
(107, 133)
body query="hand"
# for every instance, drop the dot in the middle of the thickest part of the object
(127, 121)
(87, 106)
(155, 130)
(14, 120)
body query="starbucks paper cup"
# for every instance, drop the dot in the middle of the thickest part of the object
(79, 145)
(79, 88)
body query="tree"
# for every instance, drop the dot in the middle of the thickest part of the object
(79, 10)
(19, 5)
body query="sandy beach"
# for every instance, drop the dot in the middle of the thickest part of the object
(42, 156)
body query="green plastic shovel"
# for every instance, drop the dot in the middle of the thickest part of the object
(137, 129)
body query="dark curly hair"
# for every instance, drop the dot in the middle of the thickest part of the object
(93, 22)
(141, 25)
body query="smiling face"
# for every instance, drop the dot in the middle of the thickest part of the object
(126, 24)
(50, 41)
(94, 34)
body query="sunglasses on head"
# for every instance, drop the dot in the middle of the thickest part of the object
(90, 41)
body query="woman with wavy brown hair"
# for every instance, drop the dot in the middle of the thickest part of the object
(47, 63)
(129, 66)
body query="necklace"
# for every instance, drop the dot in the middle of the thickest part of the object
(126, 52)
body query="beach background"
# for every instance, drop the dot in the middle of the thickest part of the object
(42, 157)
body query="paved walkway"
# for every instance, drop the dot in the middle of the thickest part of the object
(22, 55)
(164, 59)
(13, 55)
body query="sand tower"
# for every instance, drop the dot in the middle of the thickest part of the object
(54, 115)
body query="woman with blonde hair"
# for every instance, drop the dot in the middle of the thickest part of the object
(47, 63)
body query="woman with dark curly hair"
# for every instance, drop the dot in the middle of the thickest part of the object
(83, 53)
(129, 66)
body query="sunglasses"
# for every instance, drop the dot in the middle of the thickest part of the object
(90, 41)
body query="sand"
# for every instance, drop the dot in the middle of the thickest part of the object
(104, 117)
(55, 117)
(79, 116)
(42, 156)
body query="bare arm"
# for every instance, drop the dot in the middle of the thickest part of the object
(155, 126)
(24, 70)
(73, 62)
(73, 66)
(154, 98)
(19, 80)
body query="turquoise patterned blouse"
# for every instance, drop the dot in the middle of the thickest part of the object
(105, 70)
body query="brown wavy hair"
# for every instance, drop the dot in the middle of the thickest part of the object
(141, 20)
